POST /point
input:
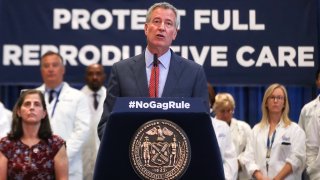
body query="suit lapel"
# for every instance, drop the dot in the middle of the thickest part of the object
(175, 70)
(140, 75)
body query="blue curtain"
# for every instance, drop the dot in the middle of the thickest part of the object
(10, 93)
(248, 99)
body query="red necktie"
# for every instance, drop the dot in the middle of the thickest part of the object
(154, 81)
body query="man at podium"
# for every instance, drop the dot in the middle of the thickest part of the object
(158, 71)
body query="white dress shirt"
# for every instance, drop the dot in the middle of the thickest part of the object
(163, 67)
(91, 146)
(288, 147)
(309, 120)
(5, 121)
(227, 149)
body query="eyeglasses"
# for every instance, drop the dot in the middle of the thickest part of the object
(158, 22)
(23, 91)
(226, 111)
(278, 98)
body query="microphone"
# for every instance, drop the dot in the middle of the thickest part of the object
(155, 60)
(155, 66)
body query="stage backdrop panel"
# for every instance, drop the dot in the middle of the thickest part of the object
(237, 41)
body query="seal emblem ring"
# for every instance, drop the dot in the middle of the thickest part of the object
(160, 149)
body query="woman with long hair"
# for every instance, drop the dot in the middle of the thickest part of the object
(31, 151)
(277, 147)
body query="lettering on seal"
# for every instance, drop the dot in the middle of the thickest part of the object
(160, 149)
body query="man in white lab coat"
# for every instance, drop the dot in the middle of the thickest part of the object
(95, 77)
(68, 110)
(309, 122)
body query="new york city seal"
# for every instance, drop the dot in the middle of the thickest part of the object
(160, 149)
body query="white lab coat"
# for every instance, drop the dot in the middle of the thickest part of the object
(227, 149)
(5, 121)
(240, 134)
(288, 146)
(310, 121)
(91, 146)
(71, 121)
(308, 113)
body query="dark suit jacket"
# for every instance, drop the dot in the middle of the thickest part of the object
(128, 78)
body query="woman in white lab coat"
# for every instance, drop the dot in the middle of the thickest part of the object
(223, 107)
(227, 149)
(223, 135)
(277, 148)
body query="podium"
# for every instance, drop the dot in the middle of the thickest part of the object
(113, 159)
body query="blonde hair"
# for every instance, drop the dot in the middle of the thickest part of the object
(223, 100)
(264, 108)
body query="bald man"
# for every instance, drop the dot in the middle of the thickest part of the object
(95, 77)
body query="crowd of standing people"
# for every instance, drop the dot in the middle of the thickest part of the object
(52, 132)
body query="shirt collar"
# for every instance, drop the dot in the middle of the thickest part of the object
(97, 92)
(57, 89)
(164, 59)
(280, 124)
(89, 91)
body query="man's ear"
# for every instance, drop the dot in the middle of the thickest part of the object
(145, 28)
(175, 34)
